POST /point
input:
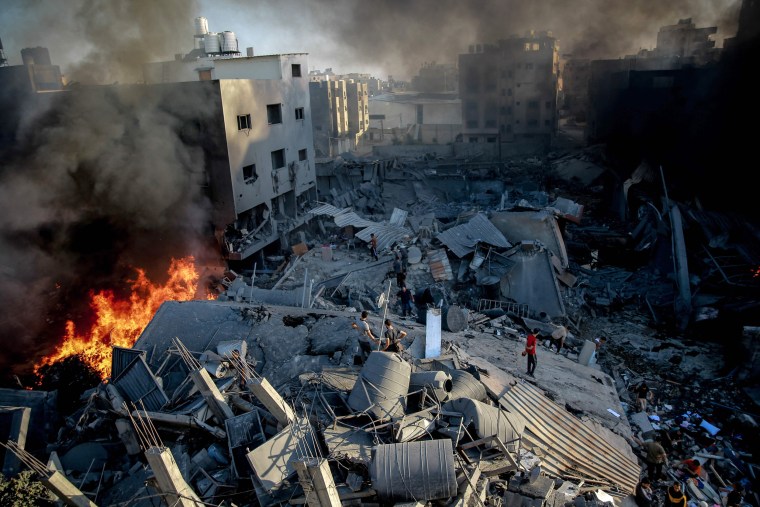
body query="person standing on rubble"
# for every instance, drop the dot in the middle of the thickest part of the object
(392, 338)
(643, 395)
(399, 270)
(530, 351)
(655, 457)
(406, 298)
(644, 493)
(675, 497)
(373, 245)
(366, 333)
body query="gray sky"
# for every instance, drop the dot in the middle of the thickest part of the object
(380, 37)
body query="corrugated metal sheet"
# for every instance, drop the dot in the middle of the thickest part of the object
(569, 446)
(121, 358)
(398, 217)
(351, 218)
(387, 235)
(137, 383)
(463, 239)
(327, 209)
(440, 268)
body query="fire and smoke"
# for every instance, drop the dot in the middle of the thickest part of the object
(119, 322)
(99, 181)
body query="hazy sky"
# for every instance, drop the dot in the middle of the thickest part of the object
(381, 37)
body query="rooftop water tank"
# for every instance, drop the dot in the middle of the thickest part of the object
(229, 42)
(201, 26)
(211, 43)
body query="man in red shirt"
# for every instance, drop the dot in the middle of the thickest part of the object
(530, 351)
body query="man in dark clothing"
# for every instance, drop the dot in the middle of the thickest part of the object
(735, 496)
(644, 493)
(406, 298)
(400, 276)
(373, 245)
(675, 497)
(392, 338)
(643, 395)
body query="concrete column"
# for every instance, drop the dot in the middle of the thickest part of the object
(317, 482)
(211, 394)
(271, 399)
(69, 494)
(170, 480)
(433, 333)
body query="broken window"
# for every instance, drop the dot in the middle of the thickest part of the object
(548, 104)
(274, 113)
(532, 104)
(296, 70)
(278, 159)
(490, 139)
(472, 124)
(473, 139)
(533, 123)
(249, 173)
(302, 155)
(509, 92)
(244, 121)
(299, 113)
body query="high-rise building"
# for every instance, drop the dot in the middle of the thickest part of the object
(509, 90)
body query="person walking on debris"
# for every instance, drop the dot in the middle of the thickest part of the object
(558, 337)
(404, 259)
(373, 245)
(530, 351)
(366, 333)
(675, 497)
(735, 496)
(643, 395)
(644, 493)
(655, 458)
(406, 298)
(392, 338)
(399, 270)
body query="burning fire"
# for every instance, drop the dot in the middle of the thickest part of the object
(119, 322)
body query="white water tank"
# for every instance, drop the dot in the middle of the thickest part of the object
(211, 43)
(229, 42)
(201, 26)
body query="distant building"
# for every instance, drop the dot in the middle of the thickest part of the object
(575, 78)
(436, 78)
(685, 40)
(340, 115)
(509, 90)
(427, 118)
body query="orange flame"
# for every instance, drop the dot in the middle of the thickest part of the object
(120, 322)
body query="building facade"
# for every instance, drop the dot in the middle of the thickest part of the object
(267, 161)
(509, 90)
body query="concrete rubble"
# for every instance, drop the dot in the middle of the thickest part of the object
(267, 395)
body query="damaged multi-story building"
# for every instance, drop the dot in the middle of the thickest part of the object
(261, 160)
(509, 92)
(340, 115)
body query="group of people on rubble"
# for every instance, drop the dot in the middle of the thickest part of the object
(656, 452)
(556, 340)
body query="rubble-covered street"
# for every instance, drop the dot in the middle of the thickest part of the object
(269, 396)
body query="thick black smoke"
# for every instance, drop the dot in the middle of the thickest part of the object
(99, 180)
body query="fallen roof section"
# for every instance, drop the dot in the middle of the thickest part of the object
(464, 238)
(538, 226)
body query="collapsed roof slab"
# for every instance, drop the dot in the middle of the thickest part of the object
(532, 282)
(463, 239)
(541, 226)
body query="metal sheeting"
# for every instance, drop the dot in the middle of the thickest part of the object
(327, 209)
(137, 383)
(569, 446)
(398, 217)
(541, 226)
(440, 268)
(386, 235)
(121, 358)
(463, 239)
(351, 218)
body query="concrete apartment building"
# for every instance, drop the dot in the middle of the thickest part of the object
(264, 172)
(436, 78)
(340, 115)
(509, 91)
